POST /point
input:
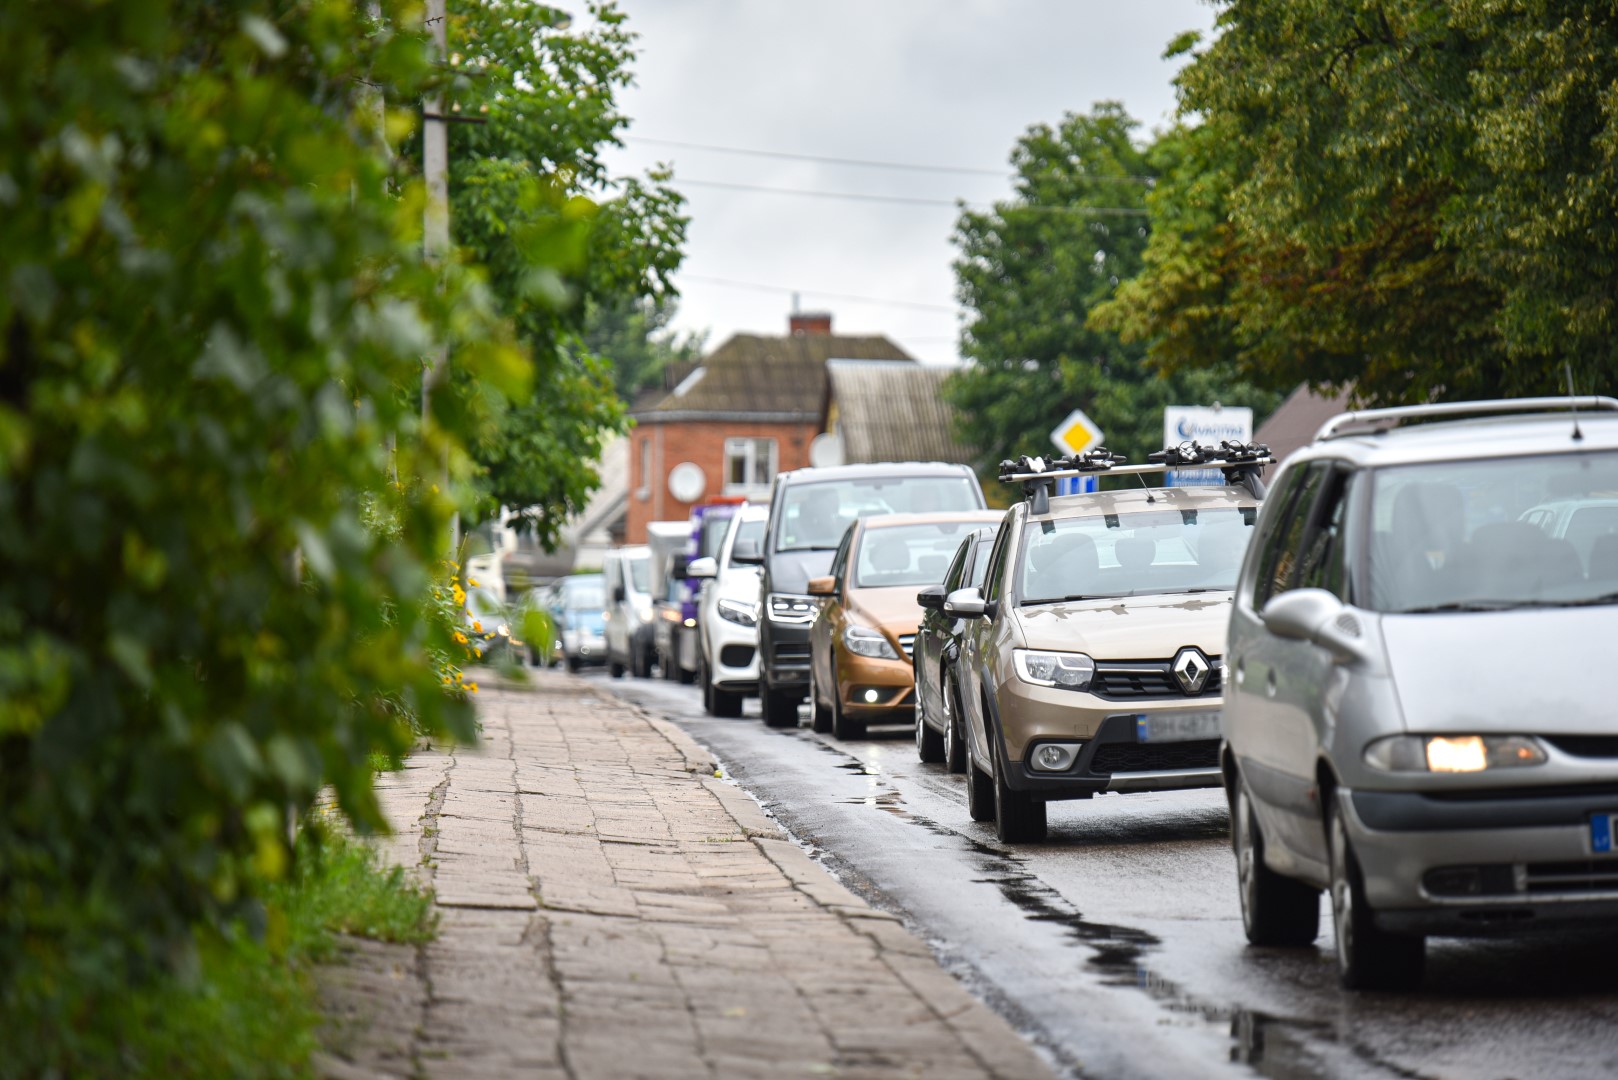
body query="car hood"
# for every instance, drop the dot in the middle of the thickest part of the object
(1130, 628)
(790, 571)
(891, 609)
(1540, 669)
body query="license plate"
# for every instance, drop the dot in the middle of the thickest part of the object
(1601, 830)
(1177, 727)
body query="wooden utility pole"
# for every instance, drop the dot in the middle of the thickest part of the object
(435, 218)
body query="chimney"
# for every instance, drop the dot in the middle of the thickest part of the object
(810, 323)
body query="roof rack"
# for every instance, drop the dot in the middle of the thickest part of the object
(1240, 462)
(1380, 420)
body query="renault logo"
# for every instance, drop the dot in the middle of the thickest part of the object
(1191, 669)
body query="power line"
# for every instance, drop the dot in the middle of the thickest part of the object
(908, 200)
(865, 163)
(731, 283)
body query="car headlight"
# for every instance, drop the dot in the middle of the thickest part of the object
(785, 608)
(644, 611)
(1064, 670)
(1453, 753)
(737, 611)
(863, 641)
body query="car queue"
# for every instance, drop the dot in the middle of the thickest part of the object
(1385, 659)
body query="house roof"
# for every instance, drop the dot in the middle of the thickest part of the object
(1293, 425)
(894, 412)
(770, 379)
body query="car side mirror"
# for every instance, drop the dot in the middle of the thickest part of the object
(747, 553)
(822, 586)
(1316, 616)
(965, 604)
(618, 594)
(705, 567)
(931, 598)
(679, 567)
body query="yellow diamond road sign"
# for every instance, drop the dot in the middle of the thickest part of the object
(1077, 434)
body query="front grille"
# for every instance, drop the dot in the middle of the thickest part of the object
(907, 642)
(1589, 875)
(1127, 680)
(1136, 757)
(736, 655)
(792, 652)
(1591, 746)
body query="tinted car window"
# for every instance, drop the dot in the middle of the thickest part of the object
(1323, 565)
(1149, 551)
(980, 564)
(952, 576)
(1450, 535)
(907, 554)
(1281, 554)
(814, 516)
(749, 530)
(992, 577)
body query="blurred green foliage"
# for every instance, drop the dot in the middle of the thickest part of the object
(1411, 197)
(1033, 268)
(220, 513)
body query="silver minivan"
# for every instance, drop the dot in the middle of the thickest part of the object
(1419, 719)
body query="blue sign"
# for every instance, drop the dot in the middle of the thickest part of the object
(1077, 485)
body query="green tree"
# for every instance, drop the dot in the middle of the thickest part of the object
(1030, 272)
(211, 334)
(634, 334)
(545, 93)
(1411, 197)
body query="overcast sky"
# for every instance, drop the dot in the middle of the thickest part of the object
(932, 82)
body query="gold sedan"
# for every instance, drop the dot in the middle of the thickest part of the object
(860, 645)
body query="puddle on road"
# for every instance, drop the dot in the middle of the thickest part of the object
(861, 768)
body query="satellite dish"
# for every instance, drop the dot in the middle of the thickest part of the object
(687, 481)
(825, 450)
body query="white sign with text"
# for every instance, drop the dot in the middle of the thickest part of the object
(1206, 424)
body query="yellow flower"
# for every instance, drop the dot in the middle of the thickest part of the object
(472, 581)
(472, 687)
(446, 680)
(477, 626)
(460, 637)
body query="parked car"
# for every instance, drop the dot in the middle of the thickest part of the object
(626, 578)
(1092, 661)
(938, 735)
(1420, 724)
(810, 510)
(727, 617)
(577, 606)
(674, 615)
(863, 637)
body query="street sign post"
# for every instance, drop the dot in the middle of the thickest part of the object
(1206, 424)
(1076, 435)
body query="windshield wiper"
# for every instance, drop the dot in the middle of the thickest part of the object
(1075, 598)
(1584, 601)
(832, 547)
(1470, 605)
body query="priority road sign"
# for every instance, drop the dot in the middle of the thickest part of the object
(1077, 434)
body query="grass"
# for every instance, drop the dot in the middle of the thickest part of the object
(244, 1005)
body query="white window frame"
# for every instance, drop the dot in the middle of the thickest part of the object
(746, 447)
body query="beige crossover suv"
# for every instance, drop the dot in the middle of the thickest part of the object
(1092, 658)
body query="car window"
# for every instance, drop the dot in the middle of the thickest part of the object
(992, 578)
(908, 554)
(1322, 565)
(640, 572)
(1132, 554)
(980, 562)
(957, 567)
(582, 596)
(1452, 535)
(749, 530)
(1281, 553)
(814, 516)
(839, 562)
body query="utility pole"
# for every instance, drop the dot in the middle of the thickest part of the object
(435, 219)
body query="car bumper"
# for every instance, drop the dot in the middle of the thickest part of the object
(784, 656)
(584, 648)
(1468, 865)
(733, 656)
(876, 690)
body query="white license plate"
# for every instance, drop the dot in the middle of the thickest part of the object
(1602, 827)
(1176, 727)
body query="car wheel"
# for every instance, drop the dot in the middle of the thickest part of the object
(843, 726)
(929, 743)
(954, 743)
(707, 689)
(1275, 910)
(1368, 957)
(819, 714)
(979, 790)
(573, 665)
(615, 669)
(780, 708)
(1018, 816)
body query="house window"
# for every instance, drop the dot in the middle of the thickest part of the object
(749, 466)
(645, 490)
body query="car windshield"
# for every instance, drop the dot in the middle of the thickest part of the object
(711, 532)
(583, 596)
(908, 554)
(1484, 535)
(640, 572)
(1134, 554)
(815, 516)
(749, 531)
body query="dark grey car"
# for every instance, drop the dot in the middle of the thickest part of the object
(938, 737)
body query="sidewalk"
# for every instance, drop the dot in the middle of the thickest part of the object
(610, 909)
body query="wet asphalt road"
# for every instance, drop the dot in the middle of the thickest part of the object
(1117, 943)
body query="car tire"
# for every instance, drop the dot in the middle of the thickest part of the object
(843, 726)
(573, 665)
(615, 669)
(780, 708)
(954, 741)
(979, 790)
(1368, 957)
(717, 702)
(1019, 818)
(819, 715)
(1275, 910)
(929, 743)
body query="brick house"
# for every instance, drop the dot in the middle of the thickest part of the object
(748, 411)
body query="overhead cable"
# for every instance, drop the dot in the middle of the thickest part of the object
(908, 200)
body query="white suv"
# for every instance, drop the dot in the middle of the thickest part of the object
(727, 617)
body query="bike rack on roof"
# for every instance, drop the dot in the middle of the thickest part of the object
(1376, 421)
(1241, 464)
